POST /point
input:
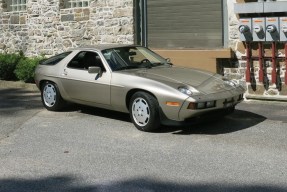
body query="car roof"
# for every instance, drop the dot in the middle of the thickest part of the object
(101, 47)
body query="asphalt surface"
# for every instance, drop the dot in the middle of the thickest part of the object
(89, 149)
(16, 107)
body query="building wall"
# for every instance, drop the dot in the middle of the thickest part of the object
(46, 28)
(237, 70)
(188, 32)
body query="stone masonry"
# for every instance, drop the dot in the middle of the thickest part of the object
(48, 28)
(255, 89)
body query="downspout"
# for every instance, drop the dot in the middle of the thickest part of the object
(286, 63)
(144, 24)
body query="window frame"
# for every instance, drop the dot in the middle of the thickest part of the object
(16, 5)
(82, 67)
(72, 4)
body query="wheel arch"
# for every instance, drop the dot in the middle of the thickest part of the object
(41, 83)
(57, 102)
(57, 83)
(132, 92)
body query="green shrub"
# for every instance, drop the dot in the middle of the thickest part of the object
(8, 63)
(25, 70)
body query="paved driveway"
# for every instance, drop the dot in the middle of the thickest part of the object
(16, 107)
(89, 149)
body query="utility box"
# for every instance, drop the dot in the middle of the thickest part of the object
(258, 29)
(245, 27)
(272, 29)
(251, 7)
(283, 28)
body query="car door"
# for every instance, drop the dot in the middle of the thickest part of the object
(81, 85)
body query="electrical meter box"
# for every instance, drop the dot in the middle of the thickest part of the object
(283, 28)
(272, 29)
(245, 27)
(258, 29)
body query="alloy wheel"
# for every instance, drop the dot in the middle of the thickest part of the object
(49, 95)
(141, 112)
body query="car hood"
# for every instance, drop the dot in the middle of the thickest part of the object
(203, 81)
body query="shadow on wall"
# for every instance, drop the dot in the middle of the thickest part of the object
(70, 184)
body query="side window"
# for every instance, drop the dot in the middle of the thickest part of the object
(86, 59)
(54, 60)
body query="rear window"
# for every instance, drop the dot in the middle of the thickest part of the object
(55, 59)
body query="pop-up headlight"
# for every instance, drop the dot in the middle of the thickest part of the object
(232, 83)
(188, 90)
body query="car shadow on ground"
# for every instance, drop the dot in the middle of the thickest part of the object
(68, 183)
(239, 120)
(113, 115)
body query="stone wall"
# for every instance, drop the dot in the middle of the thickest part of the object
(255, 89)
(236, 69)
(48, 28)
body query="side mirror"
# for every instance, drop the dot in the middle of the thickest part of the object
(132, 53)
(95, 70)
(168, 61)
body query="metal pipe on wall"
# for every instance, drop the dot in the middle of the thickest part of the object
(274, 66)
(261, 73)
(248, 60)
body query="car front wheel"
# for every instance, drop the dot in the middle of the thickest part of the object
(144, 111)
(51, 97)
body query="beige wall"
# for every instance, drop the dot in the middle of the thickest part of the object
(201, 59)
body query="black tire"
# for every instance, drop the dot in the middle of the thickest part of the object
(144, 111)
(51, 97)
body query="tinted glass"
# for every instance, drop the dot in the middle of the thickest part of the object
(55, 59)
(86, 59)
(132, 57)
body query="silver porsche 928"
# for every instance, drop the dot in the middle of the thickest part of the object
(135, 80)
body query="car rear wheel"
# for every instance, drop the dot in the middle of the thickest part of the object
(51, 97)
(144, 111)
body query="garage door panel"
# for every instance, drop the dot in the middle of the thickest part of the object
(185, 24)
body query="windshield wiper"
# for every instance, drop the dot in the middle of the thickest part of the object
(126, 67)
(160, 64)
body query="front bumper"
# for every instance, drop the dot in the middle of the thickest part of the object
(223, 103)
(224, 106)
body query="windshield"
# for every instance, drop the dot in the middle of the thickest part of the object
(132, 57)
